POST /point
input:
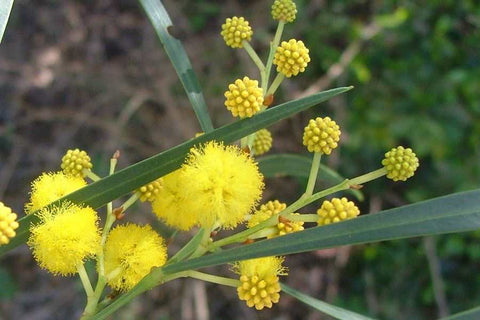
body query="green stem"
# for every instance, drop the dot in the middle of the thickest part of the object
(312, 178)
(368, 176)
(273, 49)
(256, 59)
(275, 84)
(133, 198)
(89, 173)
(85, 280)
(202, 276)
(203, 247)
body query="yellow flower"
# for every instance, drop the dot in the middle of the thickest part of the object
(284, 10)
(321, 135)
(130, 252)
(218, 185)
(244, 97)
(50, 187)
(260, 286)
(172, 206)
(262, 142)
(74, 162)
(64, 238)
(150, 190)
(270, 209)
(400, 163)
(223, 184)
(8, 224)
(235, 30)
(291, 58)
(336, 210)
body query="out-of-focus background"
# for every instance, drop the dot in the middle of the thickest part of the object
(93, 75)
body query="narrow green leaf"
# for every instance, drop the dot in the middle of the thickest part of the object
(5, 9)
(465, 315)
(189, 248)
(124, 181)
(173, 47)
(331, 310)
(452, 213)
(280, 165)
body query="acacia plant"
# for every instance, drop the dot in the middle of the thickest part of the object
(215, 182)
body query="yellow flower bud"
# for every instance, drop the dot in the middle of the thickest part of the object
(8, 224)
(235, 30)
(336, 210)
(321, 135)
(74, 162)
(244, 97)
(262, 142)
(400, 163)
(149, 191)
(291, 58)
(284, 10)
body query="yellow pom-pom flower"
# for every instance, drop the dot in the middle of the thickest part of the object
(244, 98)
(172, 205)
(149, 191)
(130, 252)
(50, 187)
(270, 209)
(284, 10)
(75, 162)
(336, 210)
(218, 185)
(8, 224)
(260, 285)
(291, 58)
(262, 142)
(321, 135)
(64, 238)
(235, 30)
(223, 182)
(400, 163)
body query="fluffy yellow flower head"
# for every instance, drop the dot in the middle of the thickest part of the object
(321, 135)
(64, 238)
(50, 187)
(260, 286)
(223, 182)
(336, 210)
(130, 252)
(149, 191)
(284, 10)
(235, 30)
(291, 58)
(74, 162)
(262, 142)
(172, 206)
(244, 97)
(217, 185)
(400, 163)
(270, 209)
(8, 224)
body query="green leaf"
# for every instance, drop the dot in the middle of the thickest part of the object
(124, 181)
(173, 47)
(189, 248)
(452, 213)
(5, 9)
(465, 315)
(324, 307)
(280, 165)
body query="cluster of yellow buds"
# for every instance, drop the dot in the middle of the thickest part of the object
(291, 57)
(75, 162)
(336, 210)
(149, 191)
(244, 97)
(400, 163)
(235, 30)
(8, 224)
(284, 10)
(263, 142)
(321, 135)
